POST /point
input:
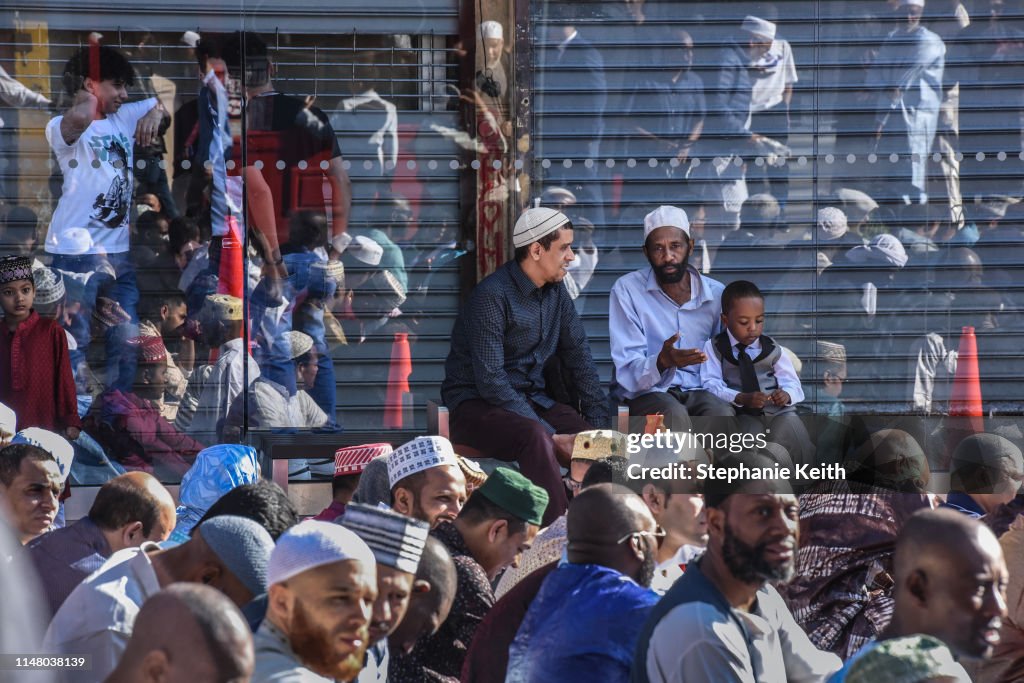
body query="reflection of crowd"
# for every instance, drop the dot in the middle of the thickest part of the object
(147, 337)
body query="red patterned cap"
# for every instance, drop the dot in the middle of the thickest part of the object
(151, 349)
(354, 459)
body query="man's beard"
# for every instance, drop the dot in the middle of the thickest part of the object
(315, 649)
(665, 278)
(647, 567)
(747, 563)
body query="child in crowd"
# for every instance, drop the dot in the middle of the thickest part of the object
(35, 368)
(750, 370)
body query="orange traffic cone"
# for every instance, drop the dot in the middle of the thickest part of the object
(965, 397)
(965, 411)
(398, 380)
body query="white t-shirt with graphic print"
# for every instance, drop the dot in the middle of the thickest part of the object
(98, 181)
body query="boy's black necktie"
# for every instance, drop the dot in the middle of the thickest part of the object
(748, 375)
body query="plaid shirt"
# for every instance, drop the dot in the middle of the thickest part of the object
(501, 342)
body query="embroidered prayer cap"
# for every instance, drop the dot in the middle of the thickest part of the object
(325, 278)
(54, 444)
(910, 659)
(354, 459)
(516, 494)
(420, 454)
(535, 223)
(666, 217)
(598, 444)
(14, 268)
(49, 286)
(396, 540)
(313, 544)
(492, 29)
(224, 307)
(108, 313)
(831, 223)
(190, 38)
(396, 291)
(300, 343)
(8, 421)
(830, 352)
(150, 348)
(475, 475)
(758, 26)
(365, 250)
(244, 547)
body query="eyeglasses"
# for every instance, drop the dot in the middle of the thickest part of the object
(658, 533)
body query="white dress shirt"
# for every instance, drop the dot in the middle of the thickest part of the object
(711, 372)
(98, 617)
(219, 390)
(642, 316)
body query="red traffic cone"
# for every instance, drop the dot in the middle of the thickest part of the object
(398, 381)
(965, 397)
(231, 276)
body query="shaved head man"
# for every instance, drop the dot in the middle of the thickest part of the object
(184, 634)
(432, 595)
(950, 583)
(598, 519)
(565, 635)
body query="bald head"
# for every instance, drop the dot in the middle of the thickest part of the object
(950, 581)
(603, 513)
(611, 526)
(432, 596)
(987, 464)
(133, 508)
(894, 459)
(187, 633)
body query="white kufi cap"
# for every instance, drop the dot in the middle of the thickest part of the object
(313, 544)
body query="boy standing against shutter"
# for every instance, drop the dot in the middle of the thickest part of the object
(750, 370)
(93, 142)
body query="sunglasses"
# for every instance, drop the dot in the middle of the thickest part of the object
(658, 533)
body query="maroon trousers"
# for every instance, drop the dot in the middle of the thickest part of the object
(502, 434)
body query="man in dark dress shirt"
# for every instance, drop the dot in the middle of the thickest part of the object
(497, 524)
(517, 320)
(128, 511)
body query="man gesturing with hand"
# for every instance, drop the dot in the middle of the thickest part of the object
(659, 318)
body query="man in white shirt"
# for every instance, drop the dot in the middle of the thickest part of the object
(659, 318)
(213, 389)
(93, 142)
(723, 620)
(228, 553)
(774, 74)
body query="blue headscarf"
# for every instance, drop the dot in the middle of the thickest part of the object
(217, 470)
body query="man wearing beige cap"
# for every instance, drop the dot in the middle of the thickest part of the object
(518, 322)
(212, 390)
(659, 318)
